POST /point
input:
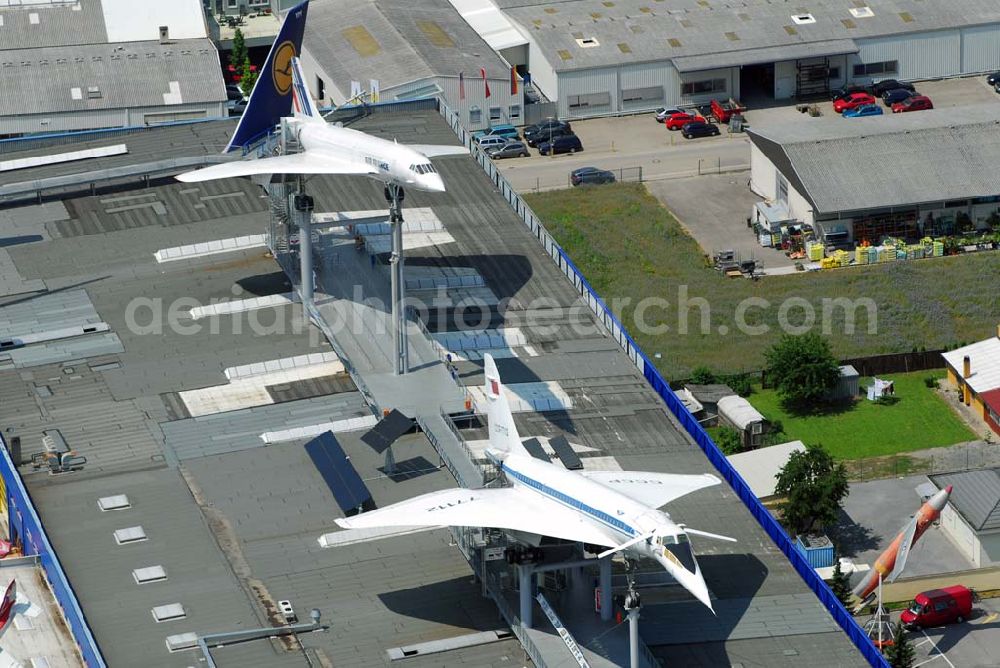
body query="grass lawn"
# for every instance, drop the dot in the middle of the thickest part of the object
(629, 246)
(920, 419)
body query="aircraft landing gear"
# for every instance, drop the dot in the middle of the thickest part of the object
(632, 605)
(394, 195)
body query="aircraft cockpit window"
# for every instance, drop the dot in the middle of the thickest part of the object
(423, 169)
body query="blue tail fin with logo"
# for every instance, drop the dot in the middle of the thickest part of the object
(271, 98)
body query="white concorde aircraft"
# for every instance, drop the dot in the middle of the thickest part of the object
(12, 605)
(614, 509)
(326, 148)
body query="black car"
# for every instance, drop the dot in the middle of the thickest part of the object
(543, 128)
(512, 149)
(882, 87)
(586, 175)
(993, 79)
(896, 95)
(565, 144)
(699, 129)
(546, 134)
(844, 91)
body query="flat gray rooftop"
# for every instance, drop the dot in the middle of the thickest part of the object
(632, 31)
(268, 505)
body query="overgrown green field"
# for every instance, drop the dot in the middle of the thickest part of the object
(629, 246)
(919, 419)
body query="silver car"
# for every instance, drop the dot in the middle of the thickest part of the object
(492, 142)
(512, 149)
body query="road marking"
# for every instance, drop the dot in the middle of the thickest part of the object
(988, 619)
(935, 649)
(922, 642)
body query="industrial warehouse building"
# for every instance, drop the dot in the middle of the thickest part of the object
(907, 176)
(972, 517)
(401, 50)
(104, 64)
(609, 57)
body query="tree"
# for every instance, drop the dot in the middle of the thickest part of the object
(729, 441)
(702, 375)
(803, 368)
(900, 654)
(840, 584)
(813, 485)
(247, 78)
(239, 54)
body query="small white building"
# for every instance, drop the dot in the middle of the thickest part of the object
(760, 468)
(736, 412)
(972, 517)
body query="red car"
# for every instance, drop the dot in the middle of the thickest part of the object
(677, 121)
(852, 101)
(915, 103)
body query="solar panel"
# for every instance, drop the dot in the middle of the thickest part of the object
(385, 433)
(338, 473)
(565, 453)
(534, 449)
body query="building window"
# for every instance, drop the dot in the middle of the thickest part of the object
(589, 100)
(231, 4)
(515, 111)
(475, 115)
(872, 69)
(833, 73)
(496, 114)
(782, 189)
(703, 87)
(651, 94)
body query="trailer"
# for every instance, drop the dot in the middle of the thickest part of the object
(723, 111)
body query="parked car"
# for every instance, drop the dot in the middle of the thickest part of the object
(234, 92)
(585, 175)
(897, 95)
(882, 87)
(851, 101)
(512, 149)
(993, 79)
(507, 131)
(492, 142)
(915, 103)
(723, 111)
(844, 91)
(544, 125)
(677, 121)
(565, 144)
(863, 110)
(547, 134)
(938, 606)
(664, 112)
(699, 129)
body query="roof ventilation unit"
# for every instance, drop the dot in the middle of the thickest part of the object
(149, 574)
(116, 502)
(587, 42)
(862, 12)
(130, 535)
(803, 19)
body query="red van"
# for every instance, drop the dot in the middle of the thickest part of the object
(938, 606)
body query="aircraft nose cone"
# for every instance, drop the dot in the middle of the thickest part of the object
(434, 183)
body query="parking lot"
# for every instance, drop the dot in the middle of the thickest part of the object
(970, 644)
(640, 142)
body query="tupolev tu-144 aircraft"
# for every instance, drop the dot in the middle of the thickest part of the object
(280, 92)
(617, 510)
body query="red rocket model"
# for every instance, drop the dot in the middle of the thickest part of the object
(892, 561)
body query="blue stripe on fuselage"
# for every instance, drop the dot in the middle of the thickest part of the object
(569, 501)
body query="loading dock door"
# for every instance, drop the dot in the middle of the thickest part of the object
(812, 78)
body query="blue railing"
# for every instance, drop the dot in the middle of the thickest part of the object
(836, 609)
(25, 525)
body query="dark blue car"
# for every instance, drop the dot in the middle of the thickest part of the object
(896, 95)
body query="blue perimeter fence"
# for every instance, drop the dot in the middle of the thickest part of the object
(840, 614)
(26, 526)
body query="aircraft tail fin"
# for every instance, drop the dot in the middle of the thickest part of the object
(7, 606)
(271, 98)
(503, 432)
(302, 103)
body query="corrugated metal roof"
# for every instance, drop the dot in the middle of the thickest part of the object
(703, 27)
(132, 74)
(985, 361)
(768, 54)
(946, 154)
(52, 25)
(404, 41)
(976, 496)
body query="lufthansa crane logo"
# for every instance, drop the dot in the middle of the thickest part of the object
(281, 68)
